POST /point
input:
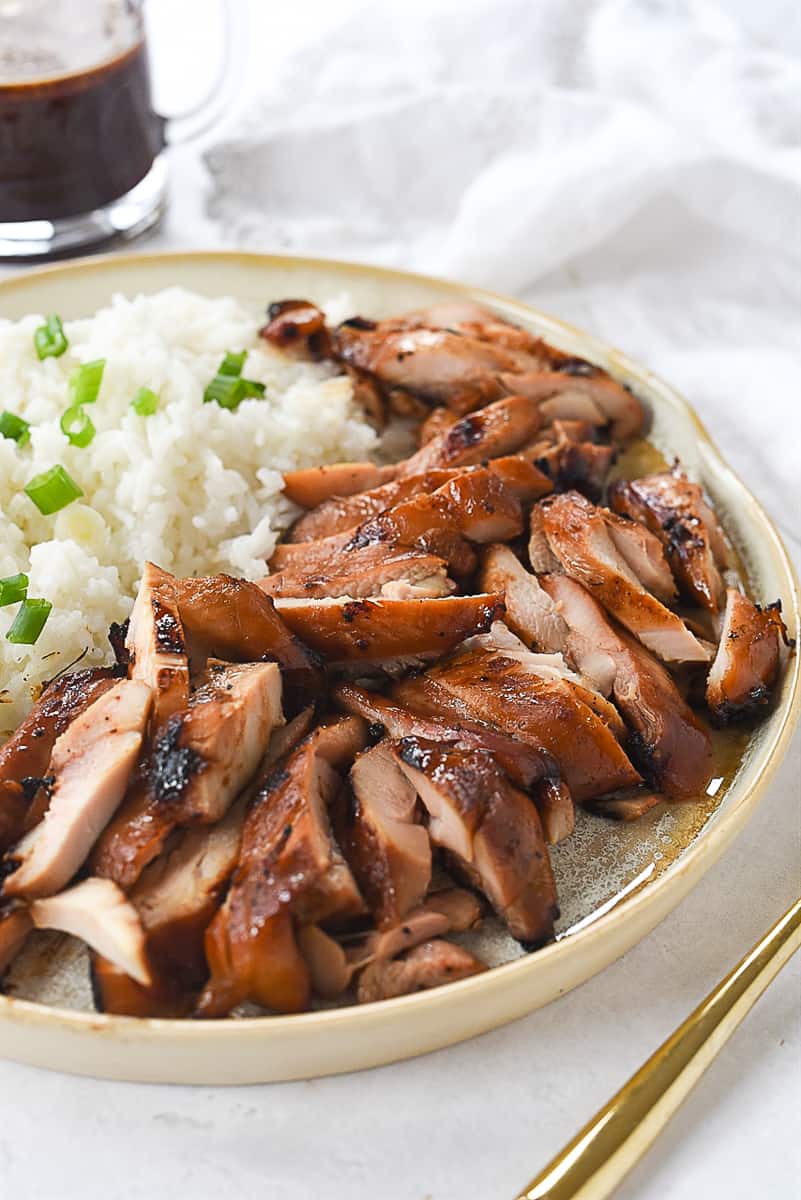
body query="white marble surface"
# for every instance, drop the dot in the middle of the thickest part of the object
(477, 1120)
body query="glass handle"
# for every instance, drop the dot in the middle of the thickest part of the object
(185, 126)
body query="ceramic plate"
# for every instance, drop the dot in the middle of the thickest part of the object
(615, 882)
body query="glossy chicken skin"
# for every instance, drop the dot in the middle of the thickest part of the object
(290, 868)
(580, 538)
(372, 570)
(297, 325)
(311, 486)
(746, 666)
(25, 757)
(363, 631)
(676, 511)
(156, 643)
(490, 828)
(339, 514)
(667, 742)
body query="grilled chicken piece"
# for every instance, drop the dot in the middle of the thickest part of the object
(233, 620)
(629, 807)
(676, 511)
(642, 550)
(427, 966)
(499, 691)
(490, 828)
(540, 555)
(339, 514)
(290, 868)
(25, 757)
(310, 486)
(385, 846)
(156, 644)
(364, 631)
(399, 572)
(440, 366)
(579, 536)
(97, 912)
(667, 743)
(91, 763)
(530, 612)
(297, 325)
(569, 454)
(500, 428)
(590, 395)
(438, 421)
(15, 925)
(747, 662)
(198, 764)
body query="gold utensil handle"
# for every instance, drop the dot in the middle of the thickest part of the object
(592, 1165)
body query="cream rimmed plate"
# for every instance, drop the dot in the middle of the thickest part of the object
(616, 882)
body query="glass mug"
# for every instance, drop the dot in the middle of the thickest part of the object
(81, 147)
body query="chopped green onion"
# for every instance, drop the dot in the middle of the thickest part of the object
(77, 426)
(13, 427)
(227, 388)
(85, 382)
(13, 589)
(49, 339)
(145, 402)
(52, 490)
(229, 392)
(29, 622)
(232, 364)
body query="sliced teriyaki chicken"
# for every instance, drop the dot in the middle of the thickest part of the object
(530, 612)
(499, 691)
(156, 644)
(233, 620)
(310, 486)
(540, 555)
(676, 511)
(396, 572)
(90, 765)
(500, 428)
(290, 869)
(339, 514)
(746, 666)
(25, 757)
(197, 765)
(98, 912)
(429, 965)
(491, 830)
(15, 925)
(381, 837)
(569, 454)
(668, 743)
(589, 395)
(297, 325)
(438, 365)
(579, 536)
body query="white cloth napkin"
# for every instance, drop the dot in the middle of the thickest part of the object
(632, 165)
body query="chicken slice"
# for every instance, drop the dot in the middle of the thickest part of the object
(339, 514)
(376, 631)
(385, 845)
(326, 570)
(642, 550)
(498, 429)
(668, 743)
(310, 486)
(25, 757)
(290, 869)
(746, 666)
(97, 912)
(438, 421)
(676, 511)
(530, 612)
(490, 828)
(298, 326)
(569, 454)
(91, 763)
(590, 395)
(156, 644)
(540, 555)
(233, 620)
(579, 536)
(499, 691)
(430, 965)
(15, 925)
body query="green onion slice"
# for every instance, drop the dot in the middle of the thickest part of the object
(232, 364)
(52, 490)
(29, 622)
(85, 382)
(49, 339)
(78, 427)
(229, 392)
(13, 427)
(145, 402)
(13, 589)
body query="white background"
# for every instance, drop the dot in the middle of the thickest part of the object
(479, 1119)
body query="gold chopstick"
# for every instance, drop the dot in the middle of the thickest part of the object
(592, 1165)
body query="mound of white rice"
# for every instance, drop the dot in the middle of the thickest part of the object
(195, 487)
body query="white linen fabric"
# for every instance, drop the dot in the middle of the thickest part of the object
(632, 165)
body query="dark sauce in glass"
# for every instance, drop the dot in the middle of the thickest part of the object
(75, 142)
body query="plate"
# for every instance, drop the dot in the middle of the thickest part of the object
(616, 882)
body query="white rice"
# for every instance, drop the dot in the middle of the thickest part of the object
(195, 488)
